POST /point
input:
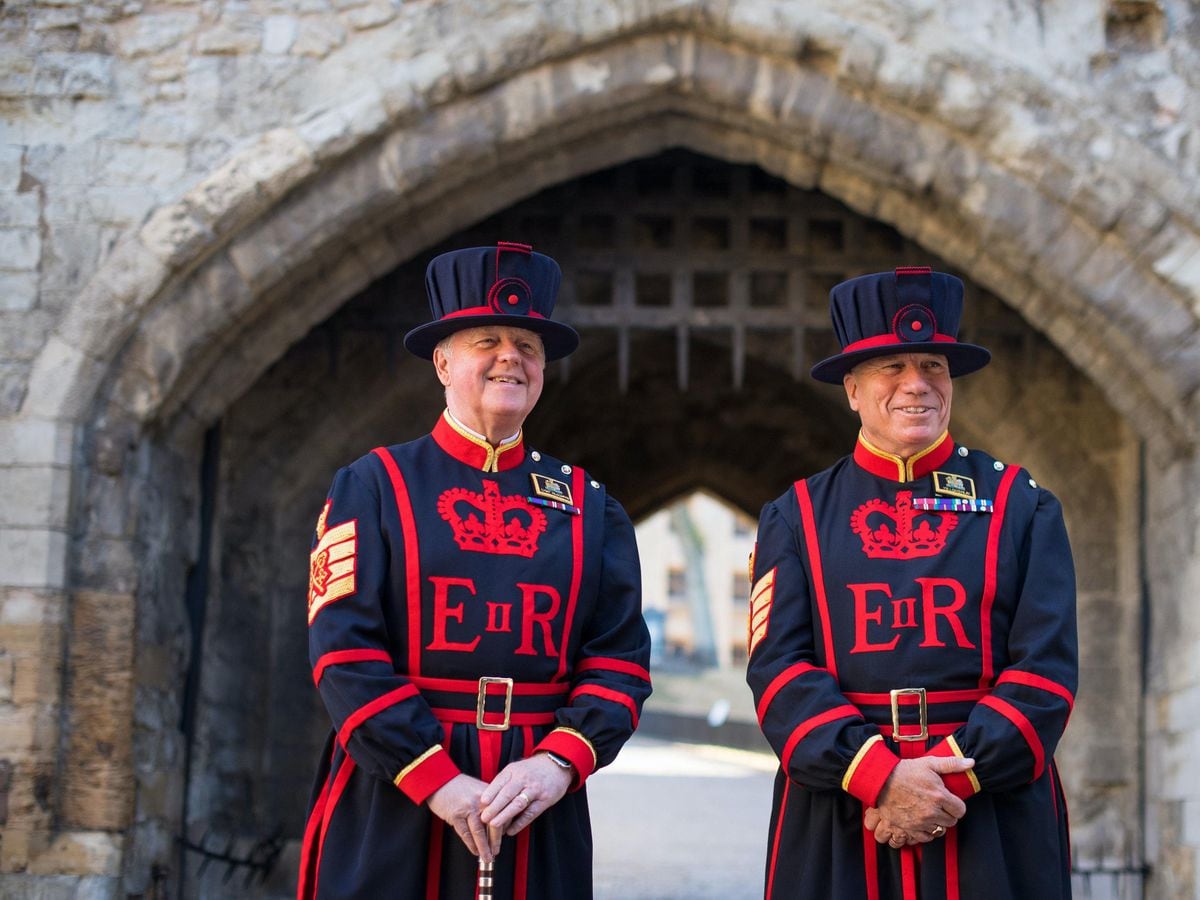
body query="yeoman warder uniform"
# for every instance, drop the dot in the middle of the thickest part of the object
(469, 605)
(911, 607)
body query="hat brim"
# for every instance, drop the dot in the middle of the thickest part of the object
(559, 340)
(963, 358)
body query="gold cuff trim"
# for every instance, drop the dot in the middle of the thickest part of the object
(416, 762)
(572, 731)
(970, 773)
(858, 758)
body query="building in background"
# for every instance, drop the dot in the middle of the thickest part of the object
(695, 582)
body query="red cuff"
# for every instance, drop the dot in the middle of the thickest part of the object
(963, 785)
(425, 774)
(574, 746)
(869, 771)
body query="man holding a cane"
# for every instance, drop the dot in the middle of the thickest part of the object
(475, 625)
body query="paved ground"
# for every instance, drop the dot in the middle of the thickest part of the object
(675, 820)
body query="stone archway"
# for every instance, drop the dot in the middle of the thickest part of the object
(346, 386)
(195, 307)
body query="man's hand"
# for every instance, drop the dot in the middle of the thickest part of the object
(914, 805)
(523, 791)
(457, 802)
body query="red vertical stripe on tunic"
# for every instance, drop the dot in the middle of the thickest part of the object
(951, 840)
(335, 794)
(991, 560)
(412, 571)
(871, 863)
(521, 876)
(437, 835)
(908, 872)
(576, 571)
(775, 839)
(307, 888)
(814, 557)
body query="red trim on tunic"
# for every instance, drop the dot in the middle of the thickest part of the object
(412, 560)
(521, 869)
(991, 559)
(814, 558)
(1019, 676)
(908, 872)
(951, 850)
(521, 874)
(307, 887)
(376, 706)
(872, 773)
(604, 693)
(471, 686)
(342, 657)
(468, 717)
(775, 840)
(575, 748)
(871, 863)
(607, 664)
(893, 468)
(335, 794)
(437, 837)
(967, 695)
(935, 729)
(473, 454)
(779, 682)
(957, 783)
(1024, 726)
(421, 782)
(576, 572)
(813, 722)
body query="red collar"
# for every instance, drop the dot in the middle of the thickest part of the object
(885, 465)
(476, 452)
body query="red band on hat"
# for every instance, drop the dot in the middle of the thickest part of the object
(890, 340)
(486, 311)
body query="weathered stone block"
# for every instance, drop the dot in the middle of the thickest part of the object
(80, 853)
(74, 75)
(18, 291)
(32, 557)
(279, 33)
(151, 33)
(98, 774)
(318, 39)
(60, 382)
(20, 248)
(34, 496)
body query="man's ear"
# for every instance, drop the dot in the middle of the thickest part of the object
(850, 383)
(441, 364)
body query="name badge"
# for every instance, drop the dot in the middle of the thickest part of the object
(551, 489)
(948, 484)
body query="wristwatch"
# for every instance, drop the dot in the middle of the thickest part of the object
(560, 761)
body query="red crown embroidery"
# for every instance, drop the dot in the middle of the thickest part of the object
(508, 524)
(896, 532)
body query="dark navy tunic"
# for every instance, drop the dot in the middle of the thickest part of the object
(444, 570)
(881, 575)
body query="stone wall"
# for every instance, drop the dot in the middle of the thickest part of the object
(187, 187)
